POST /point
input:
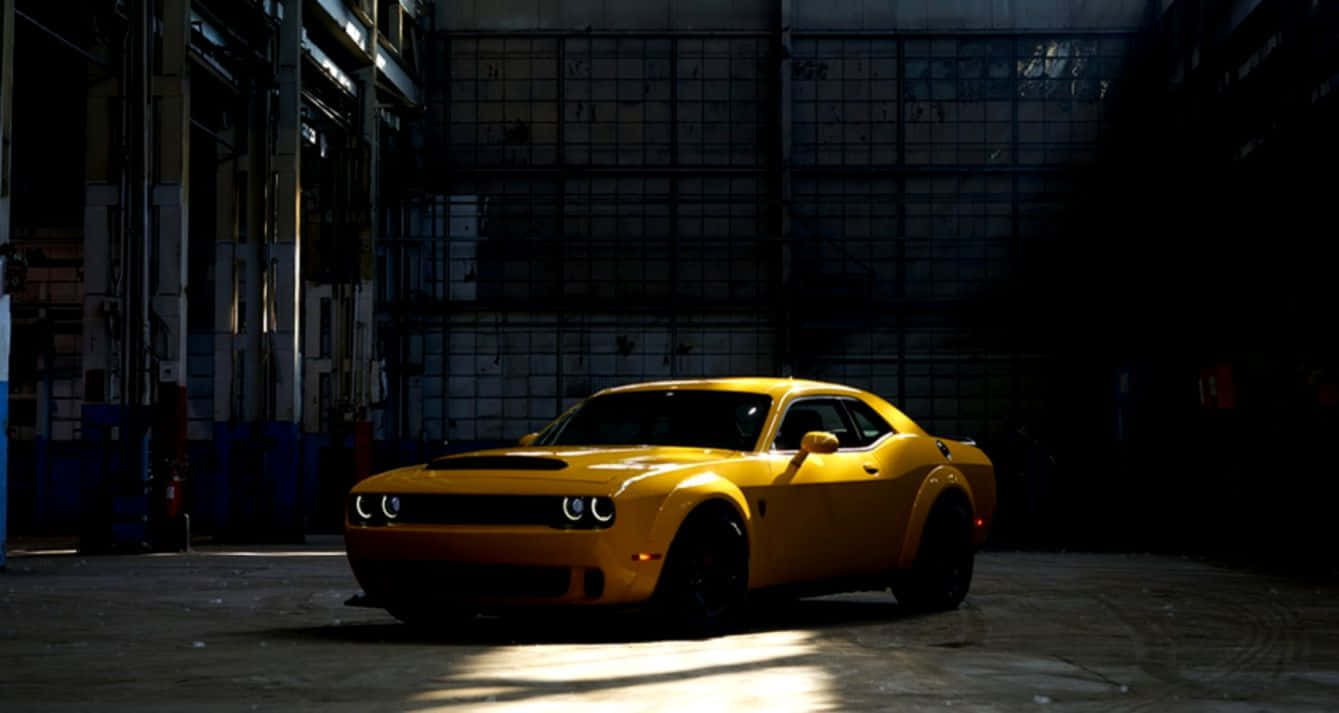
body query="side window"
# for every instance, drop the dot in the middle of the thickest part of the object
(868, 422)
(813, 415)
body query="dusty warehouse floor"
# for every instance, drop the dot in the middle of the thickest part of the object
(266, 629)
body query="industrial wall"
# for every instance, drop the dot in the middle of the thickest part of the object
(1003, 216)
(835, 190)
(187, 174)
(591, 193)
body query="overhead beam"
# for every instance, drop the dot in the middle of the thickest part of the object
(61, 39)
(389, 67)
(354, 34)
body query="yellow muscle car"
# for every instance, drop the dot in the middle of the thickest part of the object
(681, 494)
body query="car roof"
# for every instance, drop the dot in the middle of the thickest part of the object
(778, 389)
(772, 386)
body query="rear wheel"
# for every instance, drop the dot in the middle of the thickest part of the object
(942, 573)
(705, 580)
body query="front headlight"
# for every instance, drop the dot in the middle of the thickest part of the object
(602, 509)
(360, 508)
(587, 512)
(574, 509)
(390, 506)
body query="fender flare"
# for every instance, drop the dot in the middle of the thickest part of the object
(686, 497)
(941, 480)
(681, 502)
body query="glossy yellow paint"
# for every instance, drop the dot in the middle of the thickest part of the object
(808, 515)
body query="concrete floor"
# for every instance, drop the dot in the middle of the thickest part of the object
(265, 629)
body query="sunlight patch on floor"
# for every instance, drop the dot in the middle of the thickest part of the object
(772, 671)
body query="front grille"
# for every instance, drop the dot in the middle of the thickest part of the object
(428, 581)
(479, 509)
(443, 509)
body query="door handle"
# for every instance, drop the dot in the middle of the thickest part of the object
(871, 468)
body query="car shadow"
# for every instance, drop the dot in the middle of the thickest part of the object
(603, 626)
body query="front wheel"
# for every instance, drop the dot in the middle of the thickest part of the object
(942, 573)
(705, 580)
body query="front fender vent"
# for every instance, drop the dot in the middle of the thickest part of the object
(497, 463)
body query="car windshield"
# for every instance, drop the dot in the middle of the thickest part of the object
(703, 419)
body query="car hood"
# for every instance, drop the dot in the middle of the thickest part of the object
(552, 464)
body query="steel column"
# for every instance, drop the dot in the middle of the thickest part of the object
(6, 122)
(282, 289)
(170, 228)
(362, 318)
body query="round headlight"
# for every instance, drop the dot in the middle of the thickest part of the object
(360, 508)
(602, 509)
(390, 506)
(573, 508)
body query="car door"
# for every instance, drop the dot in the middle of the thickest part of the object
(872, 498)
(805, 526)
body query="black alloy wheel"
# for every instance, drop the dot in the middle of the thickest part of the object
(942, 573)
(705, 581)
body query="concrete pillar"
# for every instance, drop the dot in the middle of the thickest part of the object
(281, 321)
(241, 388)
(213, 507)
(363, 320)
(6, 122)
(169, 262)
(105, 329)
(103, 350)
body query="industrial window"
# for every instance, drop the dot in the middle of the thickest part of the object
(850, 230)
(612, 102)
(721, 95)
(844, 94)
(1063, 87)
(958, 102)
(503, 101)
(958, 234)
(617, 101)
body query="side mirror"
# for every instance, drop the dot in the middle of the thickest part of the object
(528, 439)
(819, 442)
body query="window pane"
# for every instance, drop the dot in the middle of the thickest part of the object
(867, 421)
(807, 416)
(707, 419)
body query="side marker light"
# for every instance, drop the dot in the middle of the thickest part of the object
(645, 556)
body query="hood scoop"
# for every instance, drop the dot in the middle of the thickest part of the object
(497, 463)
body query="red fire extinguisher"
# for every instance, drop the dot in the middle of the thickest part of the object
(174, 497)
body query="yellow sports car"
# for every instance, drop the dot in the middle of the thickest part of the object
(684, 494)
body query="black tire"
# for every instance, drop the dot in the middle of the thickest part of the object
(942, 573)
(706, 577)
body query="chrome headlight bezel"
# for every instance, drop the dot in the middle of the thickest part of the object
(585, 512)
(607, 504)
(390, 506)
(360, 513)
(574, 509)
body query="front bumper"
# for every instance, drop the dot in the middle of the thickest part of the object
(504, 565)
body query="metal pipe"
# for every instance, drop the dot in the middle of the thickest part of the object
(199, 126)
(61, 39)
